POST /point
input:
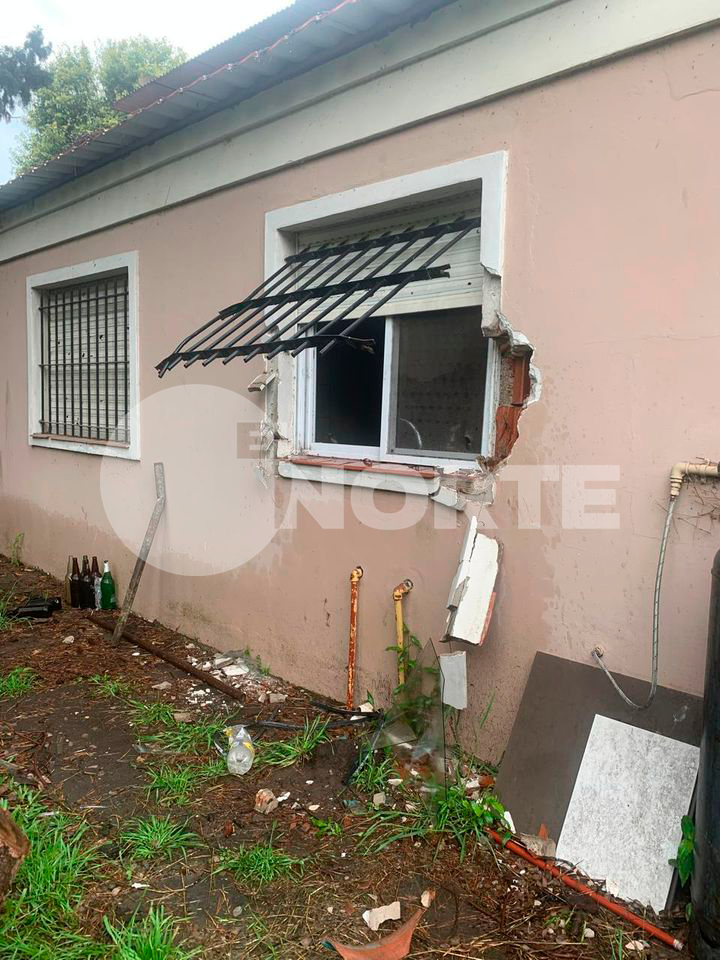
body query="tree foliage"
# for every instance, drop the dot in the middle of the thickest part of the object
(79, 98)
(22, 71)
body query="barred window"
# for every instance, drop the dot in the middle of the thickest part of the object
(84, 383)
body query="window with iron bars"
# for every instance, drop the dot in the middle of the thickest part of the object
(84, 334)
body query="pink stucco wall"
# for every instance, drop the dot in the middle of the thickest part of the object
(611, 270)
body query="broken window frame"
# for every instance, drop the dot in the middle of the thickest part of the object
(383, 453)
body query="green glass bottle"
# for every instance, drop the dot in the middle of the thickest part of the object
(108, 601)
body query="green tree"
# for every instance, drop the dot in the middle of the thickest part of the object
(22, 71)
(125, 65)
(79, 98)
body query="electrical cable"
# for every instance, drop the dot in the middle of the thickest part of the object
(597, 654)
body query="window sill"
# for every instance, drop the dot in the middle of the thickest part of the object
(424, 481)
(103, 448)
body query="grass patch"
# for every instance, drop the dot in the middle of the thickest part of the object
(154, 714)
(451, 812)
(156, 837)
(327, 828)
(149, 938)
(20, 680)
(109, 687)
(174, 784)
(372, 775)
(39, 922)
(260, 864)
(284, 753)
(188, 737)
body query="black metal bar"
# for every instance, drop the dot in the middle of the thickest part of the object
(432, 230)
(310, 275)
(224, 314)
(115, 354)
(79, 363)
(295, 318)
(97, 375)
(408, 242)
(64, 354)
(413, 256)
(89, 365)
(57, 369)
(322, 263)
(106, 386)
(383, 243)
(75, 290)
(126, 378)
(217, 353)
(43, 361)
(329, 309)
(392, 293)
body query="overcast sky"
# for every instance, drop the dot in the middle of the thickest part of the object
(194, 28)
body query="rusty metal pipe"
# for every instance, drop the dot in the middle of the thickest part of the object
(355, 578)
(398, 593)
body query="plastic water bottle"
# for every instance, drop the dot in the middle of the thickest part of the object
(241, 752)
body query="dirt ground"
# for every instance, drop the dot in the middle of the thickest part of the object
(79, 747)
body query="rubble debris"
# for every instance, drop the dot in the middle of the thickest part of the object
(236, 670)
(182, 716)
(395, 946)
(378, 799)
(277, 697)
(378, 915)
(165, 685)
(265, 801)
(539, 846)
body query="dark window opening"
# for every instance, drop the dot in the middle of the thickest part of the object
(348, 389)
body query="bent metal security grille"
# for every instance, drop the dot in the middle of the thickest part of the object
(84, 365)
(322, 294)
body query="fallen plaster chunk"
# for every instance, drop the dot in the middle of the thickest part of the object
(373, 918)
(378, 799)
(277, 697)
(453, 670)
(165, 685)
(222, 661)
(366, 707)
(395, 781)
(449, 497)
(236, 670)
(472, 591)
(182, 716)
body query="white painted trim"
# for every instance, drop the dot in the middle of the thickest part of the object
(373, 480)
(465, 54)
(80, 272)
(486, 173)
(294, 398)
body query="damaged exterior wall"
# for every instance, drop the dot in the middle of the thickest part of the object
(610, 273)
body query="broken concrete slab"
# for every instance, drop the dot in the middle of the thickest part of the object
(236, 670)
(548, 738)
(472, 591)
(623, 821)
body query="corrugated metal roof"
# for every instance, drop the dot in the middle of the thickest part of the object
(284, 45)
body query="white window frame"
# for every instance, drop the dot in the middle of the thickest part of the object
(81, 273)
(294, 398)
(306, 425)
